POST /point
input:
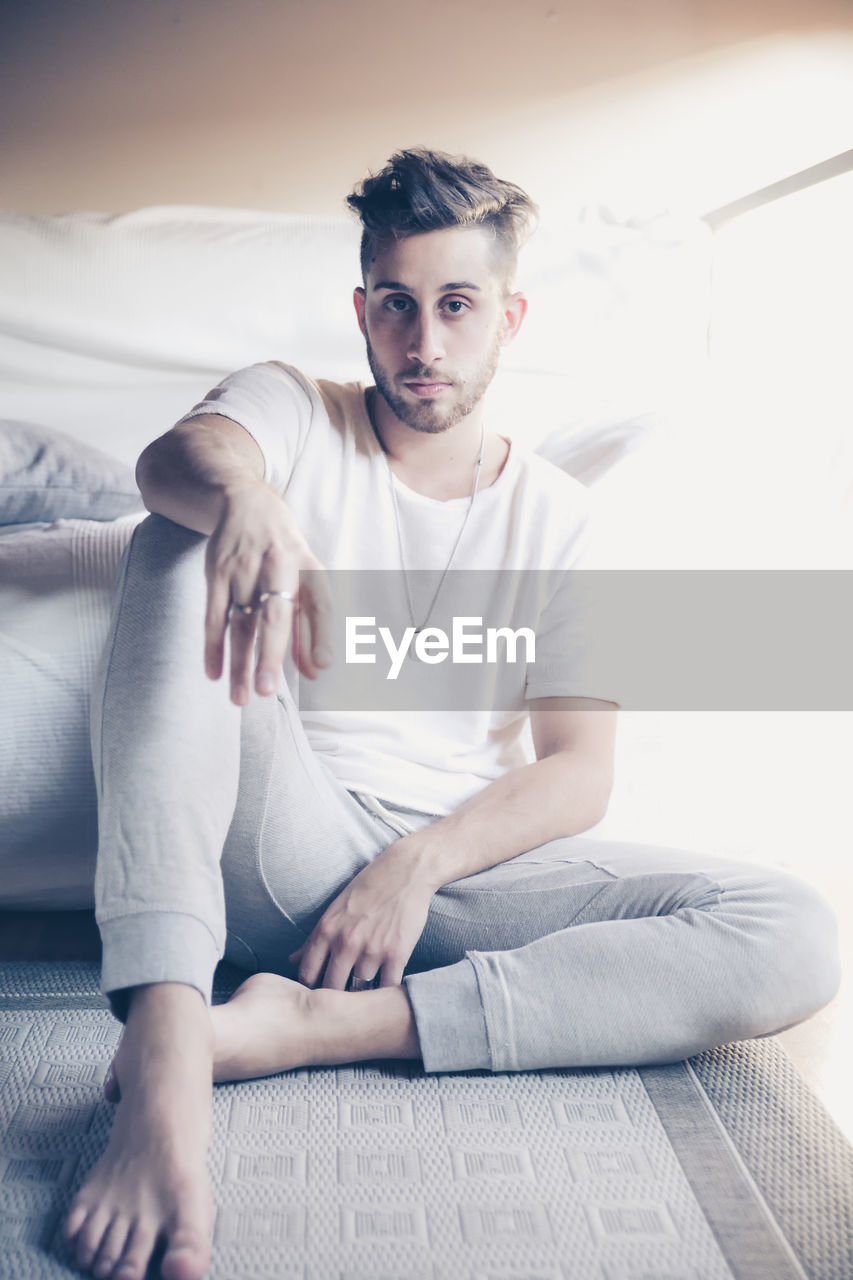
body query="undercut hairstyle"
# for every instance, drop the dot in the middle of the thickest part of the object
(421, 190)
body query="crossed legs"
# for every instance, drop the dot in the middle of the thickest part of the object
(581, 953)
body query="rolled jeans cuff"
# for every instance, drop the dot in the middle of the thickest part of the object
(155, 946)
(449, 1018)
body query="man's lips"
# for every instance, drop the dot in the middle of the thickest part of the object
(426, 389)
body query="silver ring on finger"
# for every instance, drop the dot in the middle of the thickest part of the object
(361, 984)
(274, 595)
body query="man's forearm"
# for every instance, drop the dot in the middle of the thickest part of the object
(188, 473)
(560, 795)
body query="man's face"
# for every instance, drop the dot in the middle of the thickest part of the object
(435, 314)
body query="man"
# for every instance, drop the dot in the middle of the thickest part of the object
(423, 850)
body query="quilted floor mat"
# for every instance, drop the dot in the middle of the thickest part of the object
(721, 1168)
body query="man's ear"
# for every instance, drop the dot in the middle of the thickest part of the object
(358, 298)
(515, 309)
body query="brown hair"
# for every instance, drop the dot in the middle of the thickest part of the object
(421, 190)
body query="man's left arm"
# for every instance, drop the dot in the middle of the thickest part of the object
(372, 927)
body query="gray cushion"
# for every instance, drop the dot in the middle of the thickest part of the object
(46, 476)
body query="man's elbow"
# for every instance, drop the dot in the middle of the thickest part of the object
(597, 797)
(587, 797)
(143, 475)
(152, 471)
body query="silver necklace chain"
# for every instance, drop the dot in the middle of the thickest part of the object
(455, 547)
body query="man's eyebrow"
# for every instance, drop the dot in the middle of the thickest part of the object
(452, 287)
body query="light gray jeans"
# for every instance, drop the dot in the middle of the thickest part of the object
(221, 832)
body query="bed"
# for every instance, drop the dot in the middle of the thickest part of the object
(112, 326)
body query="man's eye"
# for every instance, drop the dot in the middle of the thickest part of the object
(397, 304)
(456, 306)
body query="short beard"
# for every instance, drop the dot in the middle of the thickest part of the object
(430, 418)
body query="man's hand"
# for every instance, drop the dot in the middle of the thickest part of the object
(208, 475)
(255, 548)
(371, 928)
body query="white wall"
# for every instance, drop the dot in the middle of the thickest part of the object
(282, 104)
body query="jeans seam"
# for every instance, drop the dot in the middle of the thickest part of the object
(587, 906)
(435, 906)
(562, 862)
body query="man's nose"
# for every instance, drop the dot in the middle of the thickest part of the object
(425, 341)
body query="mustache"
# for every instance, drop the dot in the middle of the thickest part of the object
(423, 373)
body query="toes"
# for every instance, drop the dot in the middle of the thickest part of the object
(112, 1246)
(187, 1255)
(77, 1215)
(133, 1263)
(122, 1251)
(89, 1237)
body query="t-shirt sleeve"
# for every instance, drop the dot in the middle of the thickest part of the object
(573, 658)
(276, 404)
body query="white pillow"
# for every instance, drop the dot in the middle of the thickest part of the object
(590, 450)
(46, 475)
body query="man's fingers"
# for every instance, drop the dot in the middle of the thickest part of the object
(242, 644)
(215, 626)
(231, 583)
(275, 622)
(251, 595)
(317, 612)
(392, 974)
(340, 960)
(338, 970)
(302, 643)
(314, 953)
(275, 595)
(361, 981)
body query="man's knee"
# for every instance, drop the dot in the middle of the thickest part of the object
(158, 541)
(803, 971)
(163, 568)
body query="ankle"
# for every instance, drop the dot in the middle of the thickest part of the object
(159, 998)
(358, 1026)
(166, 1020)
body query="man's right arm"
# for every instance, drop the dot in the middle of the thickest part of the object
(189, 472)
(207, 474)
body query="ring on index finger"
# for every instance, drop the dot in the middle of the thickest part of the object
(245, 609)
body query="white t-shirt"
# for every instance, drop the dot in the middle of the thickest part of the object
(321, 453)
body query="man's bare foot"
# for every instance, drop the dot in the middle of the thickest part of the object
(150, 1187)
(272, 1024)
